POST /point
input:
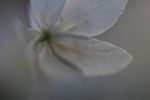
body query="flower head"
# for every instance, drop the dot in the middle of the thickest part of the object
(65, 28)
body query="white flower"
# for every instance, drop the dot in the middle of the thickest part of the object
(65, 28)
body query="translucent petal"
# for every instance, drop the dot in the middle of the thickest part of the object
(32, 60)
(55, 70)
(13, 64)
(33, 21)
(25, 39)
(25, 34)
(91, 56)
(89, 17)
(46, 12)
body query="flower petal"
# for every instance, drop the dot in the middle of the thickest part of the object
(89, 17)
(33, 22)
(91, 56)
(46, 12)
(32, 60)
(55, 70)
(25, 34)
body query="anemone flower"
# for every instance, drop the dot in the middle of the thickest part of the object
(60, 41)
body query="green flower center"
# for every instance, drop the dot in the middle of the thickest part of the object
(46, 35)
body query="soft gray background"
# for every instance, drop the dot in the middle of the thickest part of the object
(131, 32)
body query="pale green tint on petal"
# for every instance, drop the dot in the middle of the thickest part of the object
(91, 56)
(89, 17)
(46, 12)
(56, 71)
(25, 34)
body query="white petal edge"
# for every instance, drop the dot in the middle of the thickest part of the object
(33, 22)
(46, 12)
(89, 17)
(91, 56)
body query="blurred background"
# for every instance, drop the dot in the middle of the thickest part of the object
(131, 32)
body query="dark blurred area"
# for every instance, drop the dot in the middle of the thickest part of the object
(131, 32)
